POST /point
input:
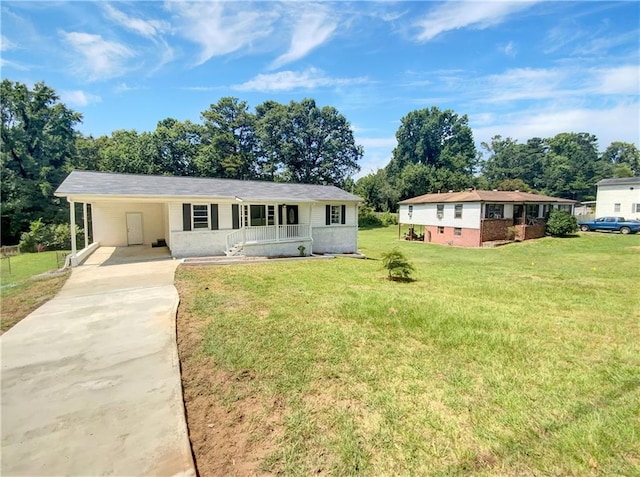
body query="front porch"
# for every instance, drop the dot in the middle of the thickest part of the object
(293, 239)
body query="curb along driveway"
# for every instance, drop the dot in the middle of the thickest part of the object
(91, 379)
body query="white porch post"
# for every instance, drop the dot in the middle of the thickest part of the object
(86, 225)
(72, 213)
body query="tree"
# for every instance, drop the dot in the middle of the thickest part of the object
(303, 143)
(38, 142)
(229, 141)
(377, 191)
(175, 146)
(510, 161)
(624, 157)
(440, 141)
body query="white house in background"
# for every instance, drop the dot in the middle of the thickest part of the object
(205, 217)
(619, 197)
(472, 217)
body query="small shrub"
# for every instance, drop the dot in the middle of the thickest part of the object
(42, 237)
(512, 232)
(388, 218)
(367, 218)
(561, 223)
(397, 265)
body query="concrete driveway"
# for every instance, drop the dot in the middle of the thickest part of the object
(91, 380)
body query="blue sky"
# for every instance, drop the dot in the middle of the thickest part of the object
(518, 69)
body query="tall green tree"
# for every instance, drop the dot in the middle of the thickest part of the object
(377, 191)
(509, 161)
(229, 143)
(624, 159)
(442, 142)
(175, 146)
(304, 143)
(38, 141)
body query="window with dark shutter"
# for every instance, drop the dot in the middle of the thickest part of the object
(214, 217)
(186, 217)
(328, 215)
(343, 215)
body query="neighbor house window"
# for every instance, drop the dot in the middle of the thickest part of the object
(494, 211)
(565, 208)
(616, 207)
(440, 210)
(200, 216)
(458, 211)
(635, 208)
(440, 230)
(335, 214)
(457, 231)
(533, 210)
(410, 211)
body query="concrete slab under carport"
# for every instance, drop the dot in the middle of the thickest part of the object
(91, 380)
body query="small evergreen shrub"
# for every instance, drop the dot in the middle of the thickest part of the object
(560, 223)
(397, 265)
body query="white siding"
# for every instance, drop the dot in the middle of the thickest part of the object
(319, 214)
(110, 223)
(426, 214)
(627, 195)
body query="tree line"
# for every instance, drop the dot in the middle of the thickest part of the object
(436, 153)
(294, 142)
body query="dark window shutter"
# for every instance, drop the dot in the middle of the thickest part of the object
(328, 215)
(214, 217)
(343, 215)
(186, 217)
(235, 216)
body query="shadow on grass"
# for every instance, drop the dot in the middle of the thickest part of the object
(401, 279)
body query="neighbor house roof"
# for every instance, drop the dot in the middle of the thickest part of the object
(89, 183)
(484, 196)
(620, 181)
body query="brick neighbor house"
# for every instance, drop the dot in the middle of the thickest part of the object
(474, 217)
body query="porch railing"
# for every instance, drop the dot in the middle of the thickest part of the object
(265, 234)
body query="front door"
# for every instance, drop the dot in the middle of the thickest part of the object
(290, 218)
(134, 228)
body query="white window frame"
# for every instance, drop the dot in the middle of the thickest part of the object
(457, 231)
(440, 210)
(199, 224)
(616, 207)
(336, 214)
(457, 211)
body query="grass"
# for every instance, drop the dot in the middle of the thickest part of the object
(20, 293)
(518, 360)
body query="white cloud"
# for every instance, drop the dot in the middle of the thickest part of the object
(290, 80)
(146, 28)
(618, 80)
(617, 123)
(6, 44)
(78, 98)
(312, 29)
(220, 28)
(454, 15)
(509, 49)
(102, 59)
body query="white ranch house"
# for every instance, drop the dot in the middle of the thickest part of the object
(472, 217)
(208, 217)
(619, 197)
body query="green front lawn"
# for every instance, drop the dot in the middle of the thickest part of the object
(519, 360)
(20, 293)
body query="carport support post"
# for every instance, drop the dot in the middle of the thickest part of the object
(72, 214)
(86, 224)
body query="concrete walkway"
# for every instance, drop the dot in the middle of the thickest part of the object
(91, 380)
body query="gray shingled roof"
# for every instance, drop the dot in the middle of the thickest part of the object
(89, 183)
(484, 196)
(620, 181)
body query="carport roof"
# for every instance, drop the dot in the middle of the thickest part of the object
(89, 183)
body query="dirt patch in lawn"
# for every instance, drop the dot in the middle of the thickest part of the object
(231, 428)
